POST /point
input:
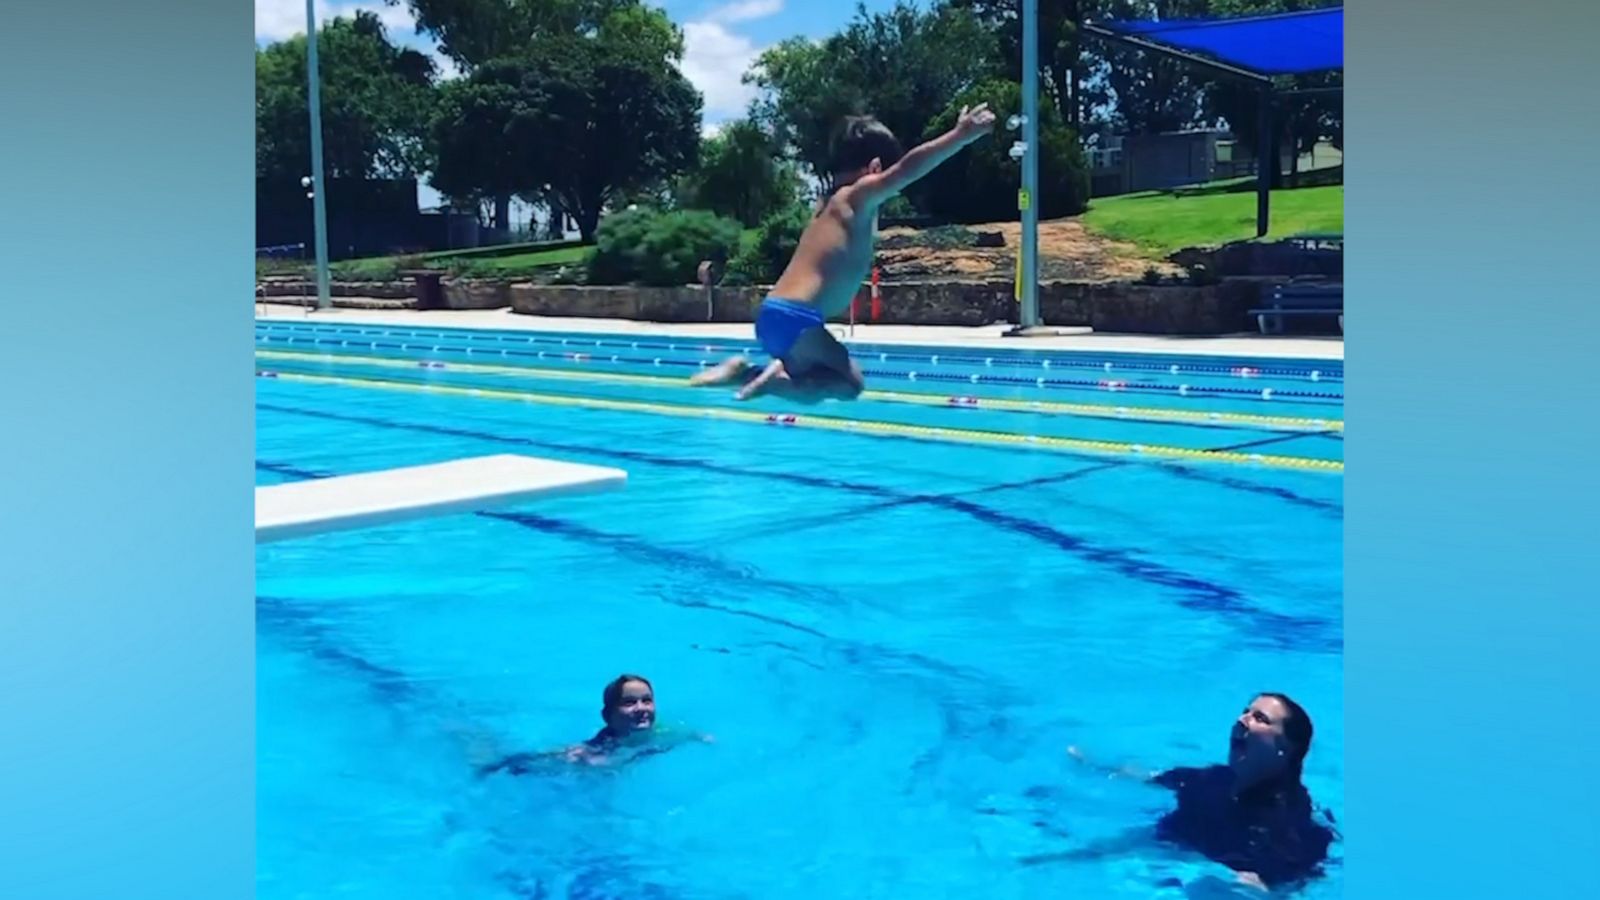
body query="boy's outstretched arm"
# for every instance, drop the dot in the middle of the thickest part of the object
(973, 123)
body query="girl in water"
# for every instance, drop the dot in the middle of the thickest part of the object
(628, 709)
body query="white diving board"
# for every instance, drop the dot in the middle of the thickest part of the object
(302, 508)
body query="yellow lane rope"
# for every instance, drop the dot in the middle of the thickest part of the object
(1137, 413)
(828, 423)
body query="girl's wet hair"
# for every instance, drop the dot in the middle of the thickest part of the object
(862, 139)
(613, 692)
(1297, 728)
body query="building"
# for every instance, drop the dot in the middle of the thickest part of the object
(1125, 164)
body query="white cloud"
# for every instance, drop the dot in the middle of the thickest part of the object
(745, 10)
(716, 58)
(715, 61)
(278, 20)
(447, 67)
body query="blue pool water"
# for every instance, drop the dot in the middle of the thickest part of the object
(892, 640)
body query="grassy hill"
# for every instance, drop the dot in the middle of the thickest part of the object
(1161, 222)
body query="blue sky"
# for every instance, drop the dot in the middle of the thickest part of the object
(721, 37)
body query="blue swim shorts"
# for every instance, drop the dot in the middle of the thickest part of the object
(779, 323)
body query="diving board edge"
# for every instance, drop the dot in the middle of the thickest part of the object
(390, 496)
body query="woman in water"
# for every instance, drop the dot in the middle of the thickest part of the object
(1251, 814)
(628, 709)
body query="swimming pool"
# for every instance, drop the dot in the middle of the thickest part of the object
(893, 615)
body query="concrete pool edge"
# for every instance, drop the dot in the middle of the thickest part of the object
(1309, 349)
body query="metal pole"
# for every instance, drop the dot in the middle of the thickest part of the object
(1267, 162)
(319, 209)
(1030, 165)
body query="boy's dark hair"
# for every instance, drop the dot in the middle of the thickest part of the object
(859, 141)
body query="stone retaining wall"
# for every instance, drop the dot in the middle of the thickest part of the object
(382, 290)
(1113, 307)
(475, 294)
(904, 303)
(1128, 308)
(368, 303)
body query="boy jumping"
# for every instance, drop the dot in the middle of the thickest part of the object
(834, 255)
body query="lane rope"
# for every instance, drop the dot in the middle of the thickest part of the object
(1122, 413)
(1321, 370)
(1112, 385)
(828, 423)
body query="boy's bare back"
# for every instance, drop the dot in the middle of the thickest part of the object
(835, 251)
(830, 262)
(834, 254)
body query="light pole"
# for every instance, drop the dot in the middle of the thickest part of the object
(314, 183)
(1027, 152)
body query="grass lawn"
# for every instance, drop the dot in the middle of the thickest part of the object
(473, 262)
(1160, 223)
(522, 262)
(384, 268)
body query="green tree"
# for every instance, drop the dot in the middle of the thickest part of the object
(1150, 93)
(805, 94)
(477, 33)
(578, 121)
(376, 100)
(741, 175)
(901, 66)
(1066, 62)
(473, 33)
(980, 183)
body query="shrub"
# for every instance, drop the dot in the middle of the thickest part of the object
(764, 260)
(662, 249)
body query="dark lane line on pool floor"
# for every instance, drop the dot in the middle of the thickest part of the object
(705, 568)
(833, 518)
(1278, 439)
(697, 566)
(1327, 507)
(1181, 471)
(1194, 593)
(820, 520)
(311, 635)
(395, 687)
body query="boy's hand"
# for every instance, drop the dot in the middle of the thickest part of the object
(975, 121)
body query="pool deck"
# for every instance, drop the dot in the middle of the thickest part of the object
(990, 336)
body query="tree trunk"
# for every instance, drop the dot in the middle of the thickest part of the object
(502, 212)
(587, 216)
(1075, 112)
(1060, 77)
(1294, 148)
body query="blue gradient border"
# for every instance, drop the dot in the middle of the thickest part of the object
(127, 644)
(1471, 677)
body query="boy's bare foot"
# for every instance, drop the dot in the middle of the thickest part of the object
(728, 370)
